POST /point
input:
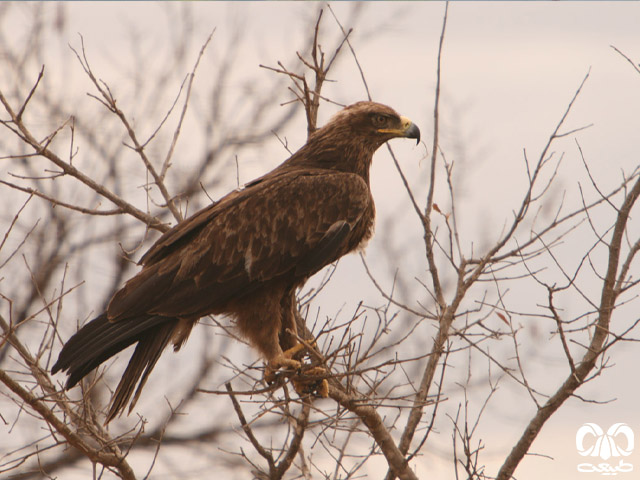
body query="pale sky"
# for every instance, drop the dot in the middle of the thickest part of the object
(509, 71)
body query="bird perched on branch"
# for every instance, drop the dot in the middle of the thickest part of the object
(245, 255)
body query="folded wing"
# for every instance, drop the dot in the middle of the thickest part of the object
(287, 227)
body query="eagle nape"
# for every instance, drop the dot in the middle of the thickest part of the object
(245, 256)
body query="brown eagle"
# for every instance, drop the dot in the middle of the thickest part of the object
(245, 255)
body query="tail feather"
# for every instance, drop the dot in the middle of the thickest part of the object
(101, 339)
(142, 361)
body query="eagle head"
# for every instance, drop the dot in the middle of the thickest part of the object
(350, 138)
(373, 123)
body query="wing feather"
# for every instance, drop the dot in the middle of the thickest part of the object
(283, 228)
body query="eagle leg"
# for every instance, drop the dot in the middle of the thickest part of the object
(293, 351)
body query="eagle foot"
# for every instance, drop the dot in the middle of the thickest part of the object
(307, 382)
(283, 360)
(306, 379)
(294, 351)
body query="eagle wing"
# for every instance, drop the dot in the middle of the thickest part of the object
(287, 227)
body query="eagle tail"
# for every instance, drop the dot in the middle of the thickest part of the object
(100, 339)
(144, 358)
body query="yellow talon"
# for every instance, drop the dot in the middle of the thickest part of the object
(293, 351)
(282, 360)
(301, 381)
(305, 385)
(323, 389)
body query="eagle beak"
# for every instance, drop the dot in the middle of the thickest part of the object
(408, 129)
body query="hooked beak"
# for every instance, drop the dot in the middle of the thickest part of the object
(407, 129)
(410, 129)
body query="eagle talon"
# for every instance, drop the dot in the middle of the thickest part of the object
(293, 351)
(283, 360)
(305, 385)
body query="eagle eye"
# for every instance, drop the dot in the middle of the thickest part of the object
(379, 121)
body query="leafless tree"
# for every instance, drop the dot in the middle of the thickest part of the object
(76, 202)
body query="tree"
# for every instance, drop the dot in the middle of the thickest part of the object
(83, 200)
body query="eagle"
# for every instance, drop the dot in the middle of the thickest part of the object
(245, 255)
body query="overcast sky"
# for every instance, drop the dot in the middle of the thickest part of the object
(509, 71)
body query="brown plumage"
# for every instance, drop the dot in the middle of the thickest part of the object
(245, 255)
